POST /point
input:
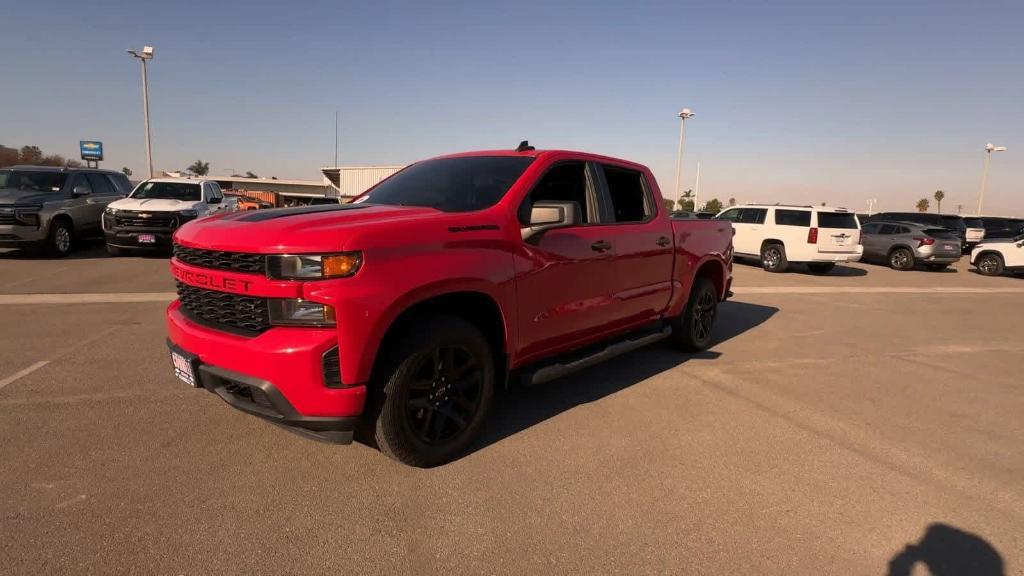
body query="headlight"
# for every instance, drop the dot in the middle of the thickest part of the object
(27, 215)
(289, 312)
(111, 211)
(189, 213)
(313, 266)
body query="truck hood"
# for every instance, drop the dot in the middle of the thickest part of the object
(307, 229)
(153, 204)
(10, 196)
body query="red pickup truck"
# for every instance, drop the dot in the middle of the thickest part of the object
(410, 306)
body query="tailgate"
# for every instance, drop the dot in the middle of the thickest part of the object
(838, 232)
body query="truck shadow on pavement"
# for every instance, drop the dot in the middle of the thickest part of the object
(948, 551)
(520, 408)
(87, 249)
(839, 271)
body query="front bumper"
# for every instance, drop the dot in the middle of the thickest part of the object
(277, 375)
(15, 236)
(129, 238)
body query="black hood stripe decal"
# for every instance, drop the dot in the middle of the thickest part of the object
(274, 213)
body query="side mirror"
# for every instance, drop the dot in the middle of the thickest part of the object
(551, 215)
(80, 191)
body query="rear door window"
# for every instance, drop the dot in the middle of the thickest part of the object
(870, 228)
(731, 215)
(843, 220)
(888, 229)
(752, 215)
(627, 191)
(793, 218)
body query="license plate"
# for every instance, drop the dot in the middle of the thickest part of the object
(147, 239)
(183, 368)
(949, 246)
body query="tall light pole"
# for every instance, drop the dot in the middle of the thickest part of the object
(145, 54)
(684, 114)
(989, 149)
(871, 205)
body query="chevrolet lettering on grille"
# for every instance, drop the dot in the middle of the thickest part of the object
(210, 281)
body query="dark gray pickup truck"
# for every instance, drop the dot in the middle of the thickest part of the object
(50, 208)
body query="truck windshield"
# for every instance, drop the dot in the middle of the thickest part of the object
(451, 184)
(30, 180)
(185, 191)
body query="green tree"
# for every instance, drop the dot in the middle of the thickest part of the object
(8, 156)
(199, 168)
(713, 205)
(922, 205)
(58, 160)
(30, 155)
(939, 197)
(127, 171)
(670, 204)
(732, 202)
(250, 174)
(686, 201)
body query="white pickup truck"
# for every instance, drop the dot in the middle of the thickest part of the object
(148, 217)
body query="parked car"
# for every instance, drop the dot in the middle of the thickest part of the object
(993, 257)
(975, 230)
(952, 222)
(998, 227)
(411, 306)
(148, 217)
(779, 235)
(902, 245)
(53, 208)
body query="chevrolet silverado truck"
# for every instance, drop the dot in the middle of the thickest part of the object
(402, 313)
(52, 209)
(148, 217)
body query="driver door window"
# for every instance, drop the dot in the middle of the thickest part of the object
(563, 183)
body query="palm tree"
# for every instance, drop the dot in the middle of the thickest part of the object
(686, 201)
(199, 168)
(127, 171)
(922, 205)
(939, 196)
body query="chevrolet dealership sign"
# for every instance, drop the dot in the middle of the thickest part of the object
(91, 150)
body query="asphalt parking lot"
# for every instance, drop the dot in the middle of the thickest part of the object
(839, 420)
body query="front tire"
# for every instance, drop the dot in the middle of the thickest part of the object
(773, 258)
(692, 330)
(59, 240)
(990, 264)
(438, 389)
(821, 267)
(901, 259)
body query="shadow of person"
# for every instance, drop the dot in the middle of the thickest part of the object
(948, 551)
(520, 408)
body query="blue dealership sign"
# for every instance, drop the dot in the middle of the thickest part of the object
(91, 149)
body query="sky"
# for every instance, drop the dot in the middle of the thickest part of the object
(795, 102)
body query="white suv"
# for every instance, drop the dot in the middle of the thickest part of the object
(992, 257)
(778, 235)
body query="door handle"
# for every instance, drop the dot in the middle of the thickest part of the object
(600, 246)
(663, 241)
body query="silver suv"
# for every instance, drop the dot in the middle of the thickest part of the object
(903, 244)
(52, 208)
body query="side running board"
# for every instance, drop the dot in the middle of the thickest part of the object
(575, 362)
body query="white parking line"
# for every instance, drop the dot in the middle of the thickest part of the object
(872, 290)
(22, 373)
(95, 298)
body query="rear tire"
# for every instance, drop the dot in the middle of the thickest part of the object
(901, 259)
(116, 251)
(990, 264)
(936, 267)
(60, 239)
(821, 267)
(692, 330)
(438, 386)
(773, 258)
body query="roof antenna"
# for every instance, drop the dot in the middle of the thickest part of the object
(524, 146)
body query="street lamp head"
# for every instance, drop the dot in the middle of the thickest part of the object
(145, 54)
(686, 113)
(993, 148)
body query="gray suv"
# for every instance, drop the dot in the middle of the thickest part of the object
(903, 244)
(51, 208)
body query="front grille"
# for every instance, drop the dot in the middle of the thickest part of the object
(138, 219)
(220, 260)
(6, 218)
(248, 314)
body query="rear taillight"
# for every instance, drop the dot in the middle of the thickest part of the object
(812, 236)
(924, 241)
(860, 238)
